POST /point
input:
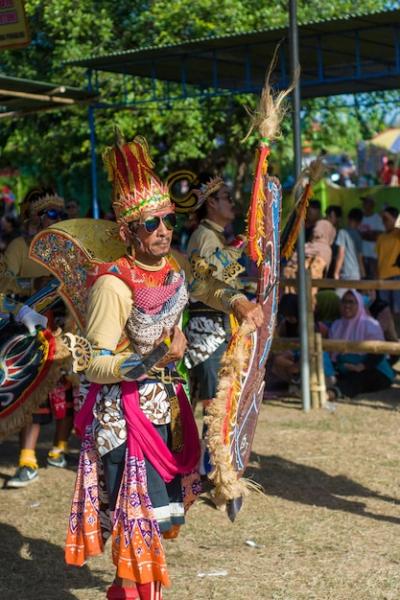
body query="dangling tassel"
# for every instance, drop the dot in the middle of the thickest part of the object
(313, 174)
(255, 225)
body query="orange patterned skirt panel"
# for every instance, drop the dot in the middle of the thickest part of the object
(137, 550)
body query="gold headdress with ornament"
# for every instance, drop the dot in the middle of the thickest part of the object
(136, 188)
(38, 199)
(208, 189)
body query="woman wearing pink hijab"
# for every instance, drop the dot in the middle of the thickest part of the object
(359, 373)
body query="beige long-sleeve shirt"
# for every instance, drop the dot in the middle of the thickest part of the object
(110, 304)
(19, 269)
(208, 241)
(18, 261)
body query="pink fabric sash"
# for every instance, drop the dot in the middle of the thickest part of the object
(143, 439)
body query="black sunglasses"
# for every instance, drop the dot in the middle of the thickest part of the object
(52, 214)
(151, 224)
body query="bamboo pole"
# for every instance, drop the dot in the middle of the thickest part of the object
(38, 97)
(320, 370)
(365, 284)
(365, 347)
(311, 344)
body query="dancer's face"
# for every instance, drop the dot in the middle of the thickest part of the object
(221, 207)
(225, 203)
(152, 235)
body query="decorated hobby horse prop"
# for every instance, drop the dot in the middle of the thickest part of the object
(232, 416)
(30, 362)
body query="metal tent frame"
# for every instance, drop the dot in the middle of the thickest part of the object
(20, 97)
(354, 54)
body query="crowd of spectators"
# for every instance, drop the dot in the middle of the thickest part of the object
(360, 245)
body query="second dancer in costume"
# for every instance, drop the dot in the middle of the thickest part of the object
(208, 329)
(40, 209)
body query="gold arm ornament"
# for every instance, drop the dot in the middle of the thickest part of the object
(80, 349)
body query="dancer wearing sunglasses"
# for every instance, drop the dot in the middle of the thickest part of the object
(137, 471)
(39, 209)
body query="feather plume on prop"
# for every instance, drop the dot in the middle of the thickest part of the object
(232, 416)
(303, 190)
(266, 120)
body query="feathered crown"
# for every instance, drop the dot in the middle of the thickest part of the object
(209, 188)
(136, 188)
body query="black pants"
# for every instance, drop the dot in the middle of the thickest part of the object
(370, 380)
(160, 492)
(206, 374)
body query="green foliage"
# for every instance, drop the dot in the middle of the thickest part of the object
(54, 147)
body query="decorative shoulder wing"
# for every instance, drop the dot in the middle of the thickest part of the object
(71, 250)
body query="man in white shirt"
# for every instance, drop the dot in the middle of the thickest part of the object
(371, 227)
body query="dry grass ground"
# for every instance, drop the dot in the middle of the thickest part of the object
(326, 528)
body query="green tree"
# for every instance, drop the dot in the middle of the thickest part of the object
(202, 134)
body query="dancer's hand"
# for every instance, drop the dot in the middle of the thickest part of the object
(31, 319)
(248, 312)
(176, 349)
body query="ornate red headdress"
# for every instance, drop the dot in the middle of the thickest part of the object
(136, 188)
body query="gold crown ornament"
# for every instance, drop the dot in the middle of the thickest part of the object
(38, 199)
(209, 188)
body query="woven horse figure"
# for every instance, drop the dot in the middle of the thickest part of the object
(30, 363)
(232, 417)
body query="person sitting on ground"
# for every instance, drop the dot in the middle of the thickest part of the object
(327, 309)
(349, 263)
(388, 251)
(284, 366)
(358, 373)
(380, 310)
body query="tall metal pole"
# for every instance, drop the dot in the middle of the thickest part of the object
(301, 273)
(93, 157)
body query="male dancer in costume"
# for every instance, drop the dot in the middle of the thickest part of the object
(40, 208)
(208, 329)
(137, 471)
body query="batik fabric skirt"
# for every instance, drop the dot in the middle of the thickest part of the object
(122, 496)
